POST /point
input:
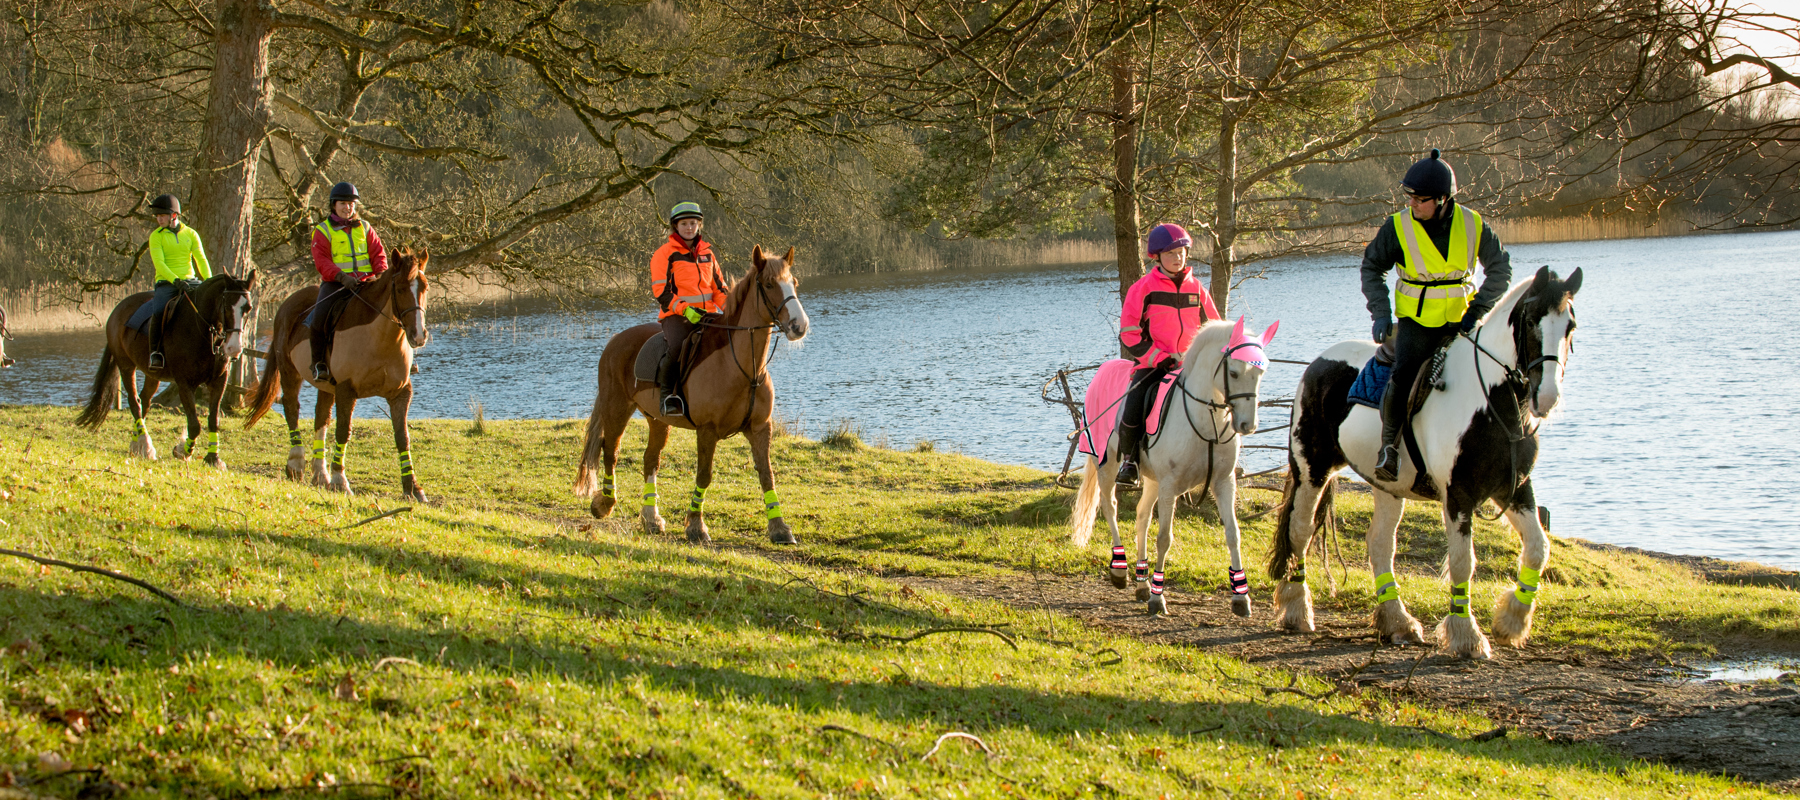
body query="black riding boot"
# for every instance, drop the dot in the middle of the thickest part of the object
(1129, 437)
(156, 353)
(667, 377)
(321, 366)
(1387, 465)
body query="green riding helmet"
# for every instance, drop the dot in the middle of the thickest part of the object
(683, 211)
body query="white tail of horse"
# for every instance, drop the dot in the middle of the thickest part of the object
(1081, 519)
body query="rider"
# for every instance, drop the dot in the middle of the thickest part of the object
(346, 252)
(176, 251)
(1162, 312)
(1434, 243)
(687, 284)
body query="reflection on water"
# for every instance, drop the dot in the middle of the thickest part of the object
(1677, 430)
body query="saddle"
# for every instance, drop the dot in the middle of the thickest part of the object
(140, 319)
(1372, 382)
(328, 319)
(656, 349)
(1105, 404)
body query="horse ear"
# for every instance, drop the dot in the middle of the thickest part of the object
(1541, 281)
(1269, 335)
(1573, 284)
(250, 282)
(789, 258)
(756, 256)
(1237, 331)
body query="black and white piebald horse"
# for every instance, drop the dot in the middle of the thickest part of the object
(1478, 439)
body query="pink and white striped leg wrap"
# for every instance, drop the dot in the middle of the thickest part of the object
(1240, 583)
(1143, 571)
(1156, 583)
(1118, 562)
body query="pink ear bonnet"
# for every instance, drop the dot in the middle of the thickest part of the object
(1248, 348)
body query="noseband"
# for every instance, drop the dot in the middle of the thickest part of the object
(220, 333)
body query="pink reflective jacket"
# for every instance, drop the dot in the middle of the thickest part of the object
(1161, 316)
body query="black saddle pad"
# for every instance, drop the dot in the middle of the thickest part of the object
(650, 357)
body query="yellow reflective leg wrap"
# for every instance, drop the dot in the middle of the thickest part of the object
(405, 463)
(697, 499)
(1528, 586)
(771, 503)
(337, 454)
(650, 492)
(295, 438)
(139, 427)
(1459, 600)
(607, 487)
(212, 443)
(1386, 588)
(318, 449)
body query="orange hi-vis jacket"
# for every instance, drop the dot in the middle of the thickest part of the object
(680, 278)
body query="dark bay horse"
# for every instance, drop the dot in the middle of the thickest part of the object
(1477, 437)
(371, 356)
(203, 333)
(727, 390)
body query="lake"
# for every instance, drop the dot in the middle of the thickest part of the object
(1677, 430)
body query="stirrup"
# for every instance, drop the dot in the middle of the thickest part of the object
(1128, 474)
(673, 407)
(1387, 465)
(156, 359)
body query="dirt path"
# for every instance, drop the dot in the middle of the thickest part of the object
(1635, 705)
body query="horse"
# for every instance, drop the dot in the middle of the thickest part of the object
(727, 388)
(1197, 445)
(1477, 434)
(202, 335)
(5, 360)
(382, 323)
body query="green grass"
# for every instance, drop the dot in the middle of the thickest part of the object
(549, 655)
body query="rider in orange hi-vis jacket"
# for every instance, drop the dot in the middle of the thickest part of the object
(688, 287)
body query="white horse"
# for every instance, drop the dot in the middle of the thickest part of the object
(1210, 406)
(1478, 438)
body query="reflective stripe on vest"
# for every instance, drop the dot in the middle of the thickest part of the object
(343, 250)
(1434, 289)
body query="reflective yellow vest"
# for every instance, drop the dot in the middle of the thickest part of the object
(350, 254)
(1434, 289)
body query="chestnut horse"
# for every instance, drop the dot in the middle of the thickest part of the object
(202, 335)
(727, 390)
(371, 356)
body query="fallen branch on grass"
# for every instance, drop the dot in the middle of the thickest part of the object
(957, 735)
(384, 515)
(1271, 691)
(51, 562)
(379, 665)
(955, 629)
(861, 735)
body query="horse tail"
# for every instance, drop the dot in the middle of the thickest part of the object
(586, 480)
(264, 396)
(1282, 548)
(1081, 520)
(104, 395)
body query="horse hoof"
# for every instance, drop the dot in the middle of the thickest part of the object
(417, 496)
(602, 506)
(1240, 605)
(653, 522)
(1119, 578)
(216, 463)
(698, 535)
(1143, 592)
(780, 533)
(1158, 606)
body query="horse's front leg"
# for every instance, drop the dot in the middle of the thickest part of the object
(1224, 490)
(322, 405)
(185, 450)
(653, 447)
(706, 442)
(217, 387)
(1146, 510)
(290, 413)
(1293, 598)
(1165, 539)
(779, 532)
(398, 404)
(1513, 608)
(1393, 623)
(1459, 633)
(346, 409)
(141, 446)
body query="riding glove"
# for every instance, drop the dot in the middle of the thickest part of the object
(1471, 317)
(349, 279)
(1383, 327)
(1169, 363)
(692, 314)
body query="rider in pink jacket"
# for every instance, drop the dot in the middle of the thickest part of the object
(1162, 312)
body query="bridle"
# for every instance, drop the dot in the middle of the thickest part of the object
(222, 334)
(760, 366)
(1222, 429)
(1518, 382)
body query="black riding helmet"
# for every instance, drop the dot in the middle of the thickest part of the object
(1430, 177)
(165, 204)
(344, 190)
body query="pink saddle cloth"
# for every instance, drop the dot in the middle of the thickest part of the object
(1105, 401)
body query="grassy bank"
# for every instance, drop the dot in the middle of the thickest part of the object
(498, 642)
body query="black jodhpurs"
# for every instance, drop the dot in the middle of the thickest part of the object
(1413, 346)
(675, 331)
(1137, 401)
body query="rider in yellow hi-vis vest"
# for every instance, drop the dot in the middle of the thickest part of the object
(1437, 243)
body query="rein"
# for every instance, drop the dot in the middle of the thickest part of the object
(1517, 382)
(761, 371)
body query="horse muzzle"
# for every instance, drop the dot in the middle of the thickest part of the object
(795, 330)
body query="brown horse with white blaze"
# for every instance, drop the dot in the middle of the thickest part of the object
(727, 389)
(371, 356)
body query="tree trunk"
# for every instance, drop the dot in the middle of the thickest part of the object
(238, 113)
(1224, 224)
(1124, 183)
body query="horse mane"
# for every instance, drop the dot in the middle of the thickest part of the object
(737, 297)
(1212, 336)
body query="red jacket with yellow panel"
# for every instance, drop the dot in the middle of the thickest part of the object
(682, 277)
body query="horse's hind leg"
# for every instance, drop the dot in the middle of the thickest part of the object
(1224, 489)
(217, 396)
(608, 421)
(398, 404)
(1120, 569)
(1513, 608)
(1458, 633)
(1146, 511)
(1293, 599)
(322, 405)
(658, 438)
(1393, 623)
(707, 442)
(1165, 539)
(185, 450)
(141, 446)
(779, 532)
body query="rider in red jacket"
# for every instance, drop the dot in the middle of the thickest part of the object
(1162, 312)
